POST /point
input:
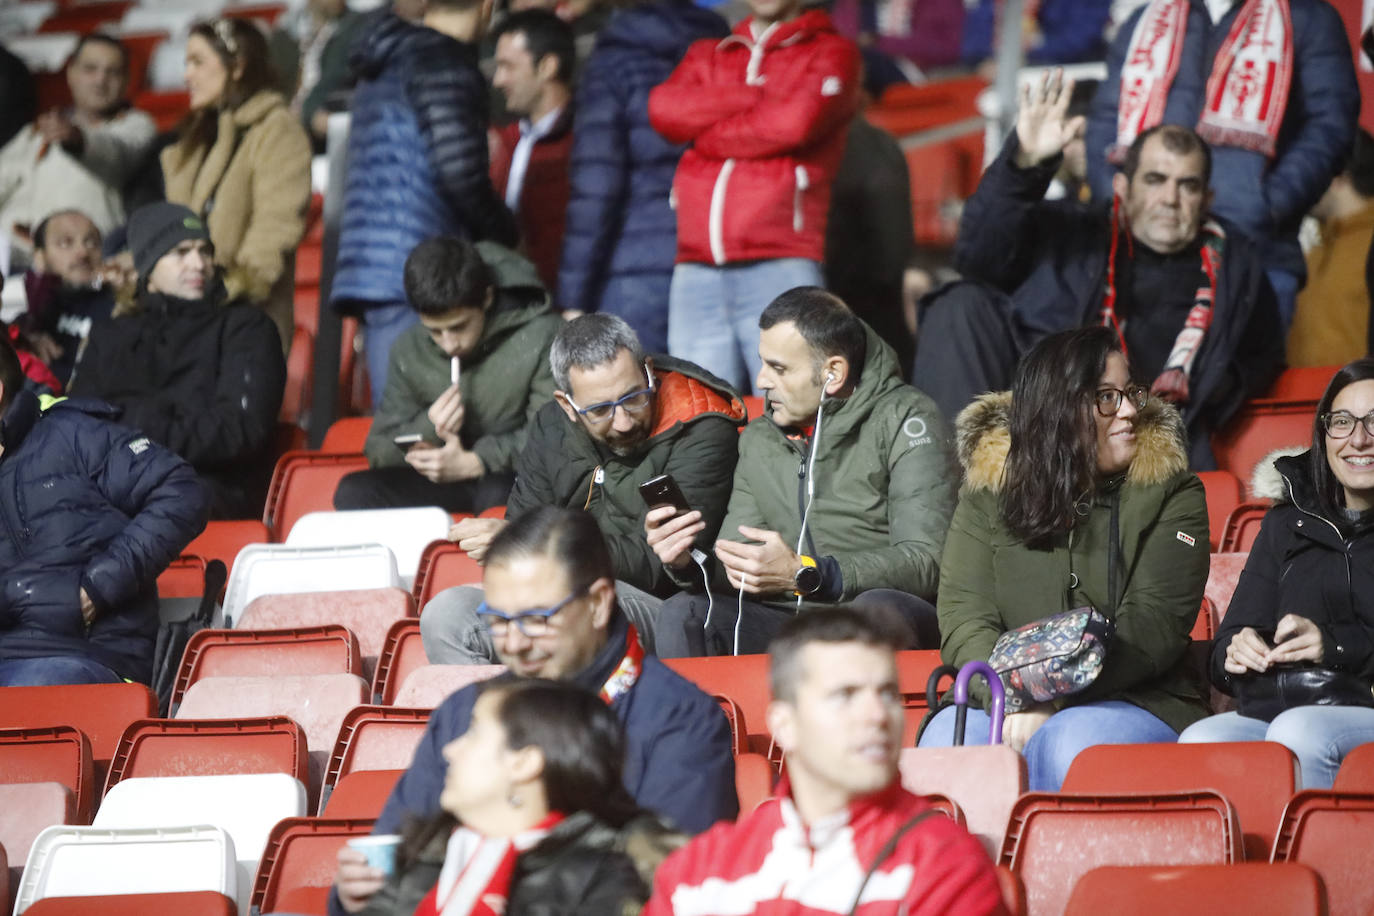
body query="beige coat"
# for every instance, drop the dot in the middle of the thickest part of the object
(261, 191)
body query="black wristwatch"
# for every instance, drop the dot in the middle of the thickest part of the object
(807, 579)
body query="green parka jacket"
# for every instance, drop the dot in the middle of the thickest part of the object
(885, 486)
(504, 381)
(991, 582)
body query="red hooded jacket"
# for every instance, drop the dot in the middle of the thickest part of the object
(766, 116)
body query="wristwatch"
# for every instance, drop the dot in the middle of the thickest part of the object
(807, 579)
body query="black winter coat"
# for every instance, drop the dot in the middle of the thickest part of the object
(1051, 259)
(86, 503)
(202, 379)
(1306, 564)
(579, 869)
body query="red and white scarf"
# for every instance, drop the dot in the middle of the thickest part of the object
(476, 876)
(1247, 90)
(1172, 383)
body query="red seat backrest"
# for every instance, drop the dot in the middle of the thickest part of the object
(402, 652)
(305, 482)
(209, 747)
(100, 711)
(300, 853)
(362, 793)
(1333, 834)
(375, 738)
(59, 754)
(323, 649)
(1242, 887)
(443, 565)
(182, 903)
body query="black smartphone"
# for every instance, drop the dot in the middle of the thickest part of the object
(663, 491)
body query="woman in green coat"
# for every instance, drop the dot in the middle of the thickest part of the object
(1077, 456)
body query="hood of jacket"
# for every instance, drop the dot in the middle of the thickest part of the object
(1277, 470)
(803, 28)
(665, 28)
(983, 437)
(391, 38)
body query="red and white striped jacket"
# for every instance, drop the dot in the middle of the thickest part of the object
(771, 864)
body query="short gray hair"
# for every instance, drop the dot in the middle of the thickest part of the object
(590, 341)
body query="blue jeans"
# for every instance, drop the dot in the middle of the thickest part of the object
(382, 324)
(57, 669)
(1285, 285)
(713, 312)
(1052, 748)
(1320, 736)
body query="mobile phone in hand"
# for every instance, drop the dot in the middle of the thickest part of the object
(408, 439)
(663, 491)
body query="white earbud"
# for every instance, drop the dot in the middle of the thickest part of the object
(830, 377)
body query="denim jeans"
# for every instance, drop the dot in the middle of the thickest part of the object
(1052, 748)
(453, 634)
(1320, 736)
(713, 312)
(57, 669)
(1285, 284)
(382, 324)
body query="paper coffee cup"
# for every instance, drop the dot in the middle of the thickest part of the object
(380, 850)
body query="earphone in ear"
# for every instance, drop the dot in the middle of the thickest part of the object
(830, 376)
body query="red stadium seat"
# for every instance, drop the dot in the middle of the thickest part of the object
(100, 711)
(985, 781)
(26, 809)
(1242, 527)
(222, 540)
(1333, 834)
(427, 687)
(1224, 493)
(346, 435)
(140, 46)
(323, 649)
(1257, 777)
(1054, 839)
(184, 903)
(184, 578)
(300, 853)
(1223, 578)
(305, 482)
(375, 738)
(1283, 417)
(1244, 887)
(362, 793)
(1357, 770)
(443, 565)
(317, 702)
(210, 747)
(59, 754)
(166, 108)
(86, 17)
(753, 405)
(367, 612)
(753, 781)
(1013, 891)
(739, 731)
(402, 652)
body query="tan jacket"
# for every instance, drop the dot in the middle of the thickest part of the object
(261, 190)
(1331, 324)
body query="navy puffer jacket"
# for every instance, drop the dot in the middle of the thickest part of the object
(417, 158)
(1265, 199)
(620, 235)
(87, 504)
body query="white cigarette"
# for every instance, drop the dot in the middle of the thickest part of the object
(453, 371)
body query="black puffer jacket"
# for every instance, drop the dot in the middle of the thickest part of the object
(87, 504)
(1305, 563)
(582, 868)
(204, 380)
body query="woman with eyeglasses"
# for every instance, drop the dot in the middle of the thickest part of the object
(1305, 599)
(1077, 492)
(242, 162)
(535, 816)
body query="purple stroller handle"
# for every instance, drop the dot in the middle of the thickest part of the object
(999, 697)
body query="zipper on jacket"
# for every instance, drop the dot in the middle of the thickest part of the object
(752, 76)
(716, 226)
(803, 184)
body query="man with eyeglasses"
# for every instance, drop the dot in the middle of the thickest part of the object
(618, 419)
(1187, 295)
(551, 605)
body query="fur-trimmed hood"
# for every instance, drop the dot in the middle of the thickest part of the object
(1267, 480)
(983, 436)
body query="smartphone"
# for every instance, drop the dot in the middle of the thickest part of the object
(663, 491)
(408, 439)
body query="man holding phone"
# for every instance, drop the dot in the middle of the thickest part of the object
(618, 419)
(843, 492)
(462, 385)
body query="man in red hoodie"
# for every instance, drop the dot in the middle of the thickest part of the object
(840, 834)
(766, 111)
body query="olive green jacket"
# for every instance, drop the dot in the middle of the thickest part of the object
(885, 486)
(991, 582)
(504, 381)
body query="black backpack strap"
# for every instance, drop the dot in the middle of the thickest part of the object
(888, 849)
